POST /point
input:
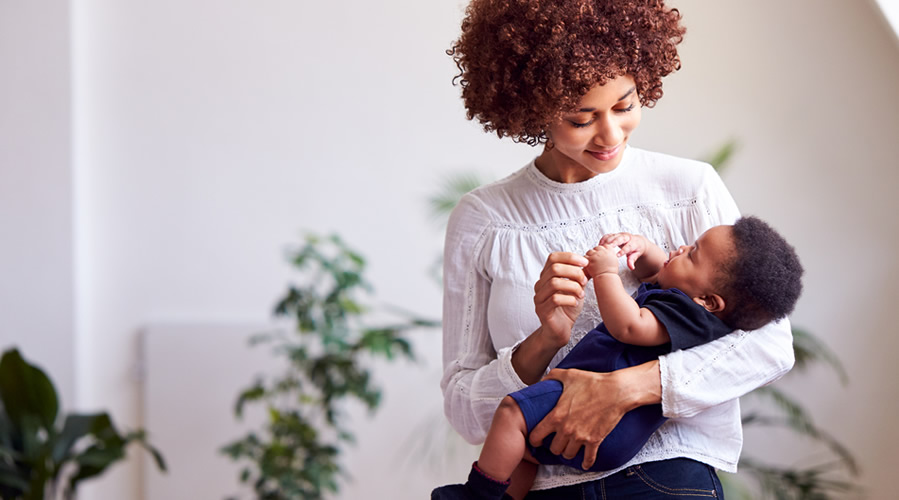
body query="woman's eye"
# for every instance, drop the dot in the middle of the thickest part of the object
(580, 124)
(625, 110)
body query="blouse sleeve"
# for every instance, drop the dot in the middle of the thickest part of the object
(475, 376)
(707, 375)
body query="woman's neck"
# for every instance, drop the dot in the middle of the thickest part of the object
(560, 168)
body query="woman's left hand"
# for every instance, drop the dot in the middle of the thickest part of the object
(591, 405)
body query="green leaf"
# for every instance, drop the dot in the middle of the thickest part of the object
(98, 458)
(797, 417)
(9, 455)
(13, 479)
(6, 429)
(721, 157)
(108, 447)
(451, 191)
(32, 438)
(140, 437)
(254, 393)
(75, 428)
(25, 390)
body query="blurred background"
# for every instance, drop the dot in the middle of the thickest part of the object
(158, 158)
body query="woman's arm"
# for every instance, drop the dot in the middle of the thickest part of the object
(558, 300)
(476, 377)
(707, 375)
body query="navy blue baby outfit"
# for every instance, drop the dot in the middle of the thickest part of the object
(688, 324)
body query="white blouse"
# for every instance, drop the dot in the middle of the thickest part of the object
(497, 241)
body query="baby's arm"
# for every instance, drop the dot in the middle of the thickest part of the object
(644, 257)
(625, 320)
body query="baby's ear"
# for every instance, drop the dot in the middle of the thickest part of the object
(712, 303)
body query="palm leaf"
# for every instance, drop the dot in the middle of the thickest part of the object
(451, 190)
(808, 349)
(720, 158)
(816, 482)
(798, 419)
(810, 430)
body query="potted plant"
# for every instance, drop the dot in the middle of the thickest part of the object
(40, 450)
(296, 453)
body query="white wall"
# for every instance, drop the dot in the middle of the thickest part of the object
(208, 134)
(36, 262)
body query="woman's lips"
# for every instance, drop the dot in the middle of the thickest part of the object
(606, 154)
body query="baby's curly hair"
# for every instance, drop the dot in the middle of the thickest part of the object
(523, 62)
(762, 281)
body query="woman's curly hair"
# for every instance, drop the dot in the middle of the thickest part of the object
(522, 62)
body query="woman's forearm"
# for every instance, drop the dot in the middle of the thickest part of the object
(641, 385)
(532, 357)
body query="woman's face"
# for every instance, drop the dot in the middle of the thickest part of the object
(590, 140)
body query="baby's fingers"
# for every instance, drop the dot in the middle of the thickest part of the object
(616, 239)
(632, 260)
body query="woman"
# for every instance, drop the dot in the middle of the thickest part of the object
(573, 75)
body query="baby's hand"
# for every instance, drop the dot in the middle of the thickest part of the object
(602, 259)
(632, 245)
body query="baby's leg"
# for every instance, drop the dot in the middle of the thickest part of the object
(522, 479)
(505, 445)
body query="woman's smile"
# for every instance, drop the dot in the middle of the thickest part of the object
(605, 154)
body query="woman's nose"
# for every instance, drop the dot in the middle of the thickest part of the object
(609, 133)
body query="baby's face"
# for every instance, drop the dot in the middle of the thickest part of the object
(693, 269)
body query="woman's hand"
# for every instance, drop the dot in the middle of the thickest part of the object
(591, 405)
(559, 296)
(558, 299)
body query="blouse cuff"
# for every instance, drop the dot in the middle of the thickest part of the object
(668, 396)
(507, 376)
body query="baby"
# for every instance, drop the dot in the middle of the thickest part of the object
(736, 277)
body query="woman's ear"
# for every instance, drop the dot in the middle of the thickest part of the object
(712, 303)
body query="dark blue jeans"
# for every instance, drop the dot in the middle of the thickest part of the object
(678, 478)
